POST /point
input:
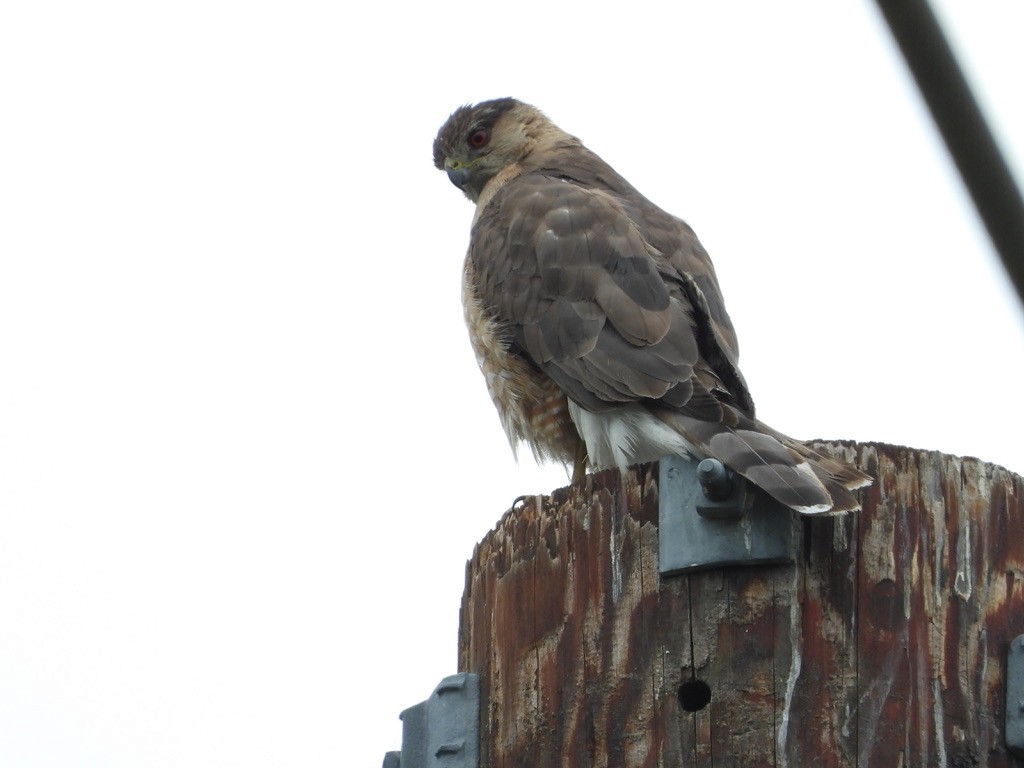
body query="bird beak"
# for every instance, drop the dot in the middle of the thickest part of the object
(458, 174)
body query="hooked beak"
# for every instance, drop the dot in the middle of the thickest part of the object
(458, 174)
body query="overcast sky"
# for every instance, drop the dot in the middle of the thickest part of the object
(245, 450)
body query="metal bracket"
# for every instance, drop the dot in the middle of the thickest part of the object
(709, 518)
(444, 730)
(1015, 696)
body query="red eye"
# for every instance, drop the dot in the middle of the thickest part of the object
(479, 139)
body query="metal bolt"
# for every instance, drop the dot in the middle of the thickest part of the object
(714, 479)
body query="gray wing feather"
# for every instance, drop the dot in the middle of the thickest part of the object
(584, 294)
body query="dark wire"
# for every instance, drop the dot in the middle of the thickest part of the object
(963, 128)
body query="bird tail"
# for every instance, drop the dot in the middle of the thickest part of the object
(786, 469)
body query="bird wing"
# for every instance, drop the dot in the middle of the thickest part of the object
(593, 290)
(590, 301)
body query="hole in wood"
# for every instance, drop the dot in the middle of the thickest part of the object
(694, 695)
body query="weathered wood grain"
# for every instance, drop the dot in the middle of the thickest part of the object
(884, 645)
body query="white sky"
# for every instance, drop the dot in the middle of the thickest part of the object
(244, 448)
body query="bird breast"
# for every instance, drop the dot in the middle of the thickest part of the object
(531, 407)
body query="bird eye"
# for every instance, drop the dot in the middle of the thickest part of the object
(479, 139)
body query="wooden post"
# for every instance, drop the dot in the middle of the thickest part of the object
(884, 645)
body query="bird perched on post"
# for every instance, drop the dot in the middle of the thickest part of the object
(597, 320)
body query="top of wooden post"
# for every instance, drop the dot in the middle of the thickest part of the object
(883, 644)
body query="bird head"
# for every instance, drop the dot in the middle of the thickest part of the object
(479, 141)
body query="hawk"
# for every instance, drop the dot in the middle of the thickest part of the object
(597, 319)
